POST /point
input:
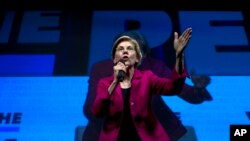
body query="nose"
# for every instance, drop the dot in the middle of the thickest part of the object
(125, 51)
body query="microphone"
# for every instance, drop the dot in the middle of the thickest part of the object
(121, 73)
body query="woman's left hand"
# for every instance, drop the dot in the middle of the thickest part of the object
(181, 42)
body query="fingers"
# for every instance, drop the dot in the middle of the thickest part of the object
(175, 35)
(119, 66)
(187, 33)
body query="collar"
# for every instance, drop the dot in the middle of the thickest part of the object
(137, 75)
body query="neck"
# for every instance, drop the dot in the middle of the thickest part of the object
(126, 83)
(130, 72)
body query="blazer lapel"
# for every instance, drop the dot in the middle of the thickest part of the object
(135, 80)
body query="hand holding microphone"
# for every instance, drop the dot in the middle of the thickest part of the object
(119, 74)
(120, 66)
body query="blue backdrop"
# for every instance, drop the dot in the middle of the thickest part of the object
(46, 57)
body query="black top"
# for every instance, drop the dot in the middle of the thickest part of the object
(127, 130)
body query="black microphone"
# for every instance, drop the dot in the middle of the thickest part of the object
(121, 73)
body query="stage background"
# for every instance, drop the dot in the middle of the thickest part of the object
(47, 50)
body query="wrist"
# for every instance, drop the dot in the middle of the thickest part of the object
(115, 81)
(180, 55)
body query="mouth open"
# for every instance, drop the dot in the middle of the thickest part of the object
(125, 58)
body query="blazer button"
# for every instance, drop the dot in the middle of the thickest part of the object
(132, 103)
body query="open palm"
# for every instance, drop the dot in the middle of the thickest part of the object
(181, 42)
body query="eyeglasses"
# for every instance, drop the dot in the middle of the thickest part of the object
(129, 48)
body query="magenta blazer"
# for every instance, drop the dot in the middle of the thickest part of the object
(143, 85)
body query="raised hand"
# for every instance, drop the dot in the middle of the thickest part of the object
(181, 42)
